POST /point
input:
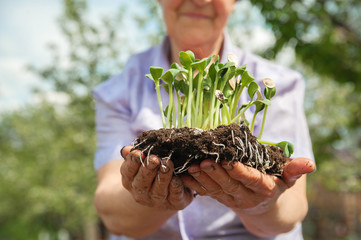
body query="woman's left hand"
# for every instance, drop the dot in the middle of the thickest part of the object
(241, 187)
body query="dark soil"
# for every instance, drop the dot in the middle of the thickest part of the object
(185, 146)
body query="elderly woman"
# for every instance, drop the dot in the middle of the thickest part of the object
(235, 201)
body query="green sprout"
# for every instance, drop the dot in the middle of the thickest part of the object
(204, 93)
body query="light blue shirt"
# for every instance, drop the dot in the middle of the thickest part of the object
(126, 105)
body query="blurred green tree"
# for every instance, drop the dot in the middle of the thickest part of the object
(47, 177)
(326, 34)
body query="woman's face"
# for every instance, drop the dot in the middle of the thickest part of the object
(196, 22)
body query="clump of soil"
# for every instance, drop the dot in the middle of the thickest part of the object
(185, 146)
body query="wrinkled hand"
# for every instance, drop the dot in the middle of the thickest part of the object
(241, 187)
(153, 183)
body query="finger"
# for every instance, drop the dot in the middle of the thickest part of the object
(193, 184)
(296, 168)
(253, 179)
(178, 196)
(125, 150)
(144, 178)
(129, 168)
(199, 174)
(223, 179)
(159, 190)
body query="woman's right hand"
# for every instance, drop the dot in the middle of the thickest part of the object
(152, 183)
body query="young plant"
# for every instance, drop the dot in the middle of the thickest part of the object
(207, 93)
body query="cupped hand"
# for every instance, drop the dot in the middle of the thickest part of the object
(241, 187)
(151, 182)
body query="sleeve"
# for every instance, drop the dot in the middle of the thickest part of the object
(113, 118)
(113, 132)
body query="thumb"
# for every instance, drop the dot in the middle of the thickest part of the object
(295, 168)
(126, 150)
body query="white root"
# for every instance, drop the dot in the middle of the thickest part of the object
(139, 143)
(168, 158)
(250, 150)
(183, 168)
(245, 135)
(233, 137)
(212, 153)
(141, 153)
(170, 135)
(134, 141)
(150, 149)
(244, 151)
(258, 156)
(219, 145)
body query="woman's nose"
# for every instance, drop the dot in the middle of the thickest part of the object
(202, 2)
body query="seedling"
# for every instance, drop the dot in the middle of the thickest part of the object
(204, 97)
(211, 93)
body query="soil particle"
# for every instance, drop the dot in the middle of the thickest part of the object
(186, 146)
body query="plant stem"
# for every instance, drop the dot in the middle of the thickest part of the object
(226, 118)
(160, 103)
(240, 114)
(266, 142)
(211, 115)
(253, 120)
(263, 121)
(198, 100)
(235, 100)
(170, 106)
(180, 120)
(190, 97)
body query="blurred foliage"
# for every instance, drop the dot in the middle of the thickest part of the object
(326, 34)
(47, 177)
(47, 148)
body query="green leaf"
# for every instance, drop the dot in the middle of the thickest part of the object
(240, 70)
(209, 59)
(200, 65)
(175, 66)
(228, 65)
(247, 78)
(170, 75)
(149, 76)
(242, 106)
(252, 89)
(166, 112)
(263, 101)
(186, 58)
(184, 87)
(287, 148)
(260, 104)
(227, 73)
(156, 72)
(191, 55)
(228, 93)
(269, 92)
(212, 72)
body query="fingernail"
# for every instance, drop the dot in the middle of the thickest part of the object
(121, 152)
(151, 164)
(135, 158)
(176, 183)
(209, 168)
(195, 174)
